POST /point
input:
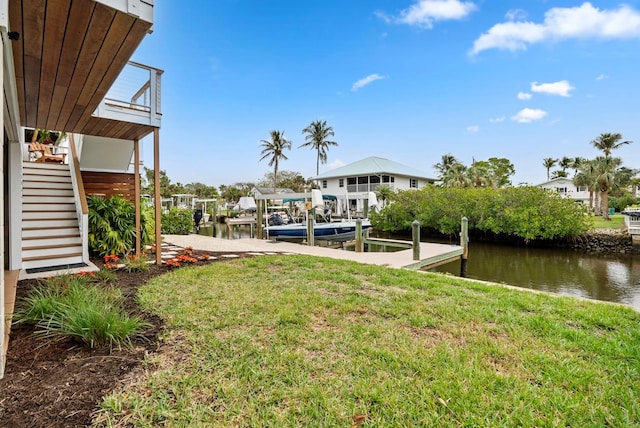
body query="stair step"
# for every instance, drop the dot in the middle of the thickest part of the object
(39, 191)
(48, 206)
(51, 251)
(39, 232)
(65, 259)
(47, 186)
(50, 223)
(49, 166)
(62, 170)
(49, 215)
(37, 178)
(55, 199)
(39, 243)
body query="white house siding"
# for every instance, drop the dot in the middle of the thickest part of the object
(566, 188)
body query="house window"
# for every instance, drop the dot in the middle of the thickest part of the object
(582, 188)
(413, 183)
(324, 184)
(341, 182)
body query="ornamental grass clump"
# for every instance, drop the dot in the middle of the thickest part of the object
(89, 313)
(136, 263)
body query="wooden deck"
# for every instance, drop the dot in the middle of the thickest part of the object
(431, 255)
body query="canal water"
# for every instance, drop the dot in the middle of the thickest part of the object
(614, 278)
(561, 271)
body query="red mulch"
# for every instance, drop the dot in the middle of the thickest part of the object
(60, 383)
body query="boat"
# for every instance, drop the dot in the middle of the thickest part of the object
(332, 231)
(337, 231)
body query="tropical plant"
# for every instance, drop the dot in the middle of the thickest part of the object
(549, 163)
(317, 137)
(559, 174)
(481, 175)
(177, 221)
(608, 141)
(609, 176)
(274, 151)
(565, 163)
(112, 225)
(385, 193)
(446, 162)
(456, 176)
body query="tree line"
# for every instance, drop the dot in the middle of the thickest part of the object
(602, 175)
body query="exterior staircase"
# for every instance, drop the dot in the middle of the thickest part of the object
(50, 231)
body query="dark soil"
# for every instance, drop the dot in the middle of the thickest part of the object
(60, 383)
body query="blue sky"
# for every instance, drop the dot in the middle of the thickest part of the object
(406, 80)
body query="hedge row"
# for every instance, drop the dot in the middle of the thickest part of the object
(529, 213)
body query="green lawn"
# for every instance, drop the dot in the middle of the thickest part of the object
(296, 341)
(616, 222)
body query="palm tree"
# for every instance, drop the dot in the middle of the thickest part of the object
(446, 162)
(608, 141)
(565, 163)
(608, 178)
(480, 175)
(549, 163)
(317, 138)
(274, 150)
(456, 176)
(385, 193)
(576, 164)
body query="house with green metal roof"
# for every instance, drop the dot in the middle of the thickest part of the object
(357, 179)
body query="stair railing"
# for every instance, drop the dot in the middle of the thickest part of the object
(82, 210)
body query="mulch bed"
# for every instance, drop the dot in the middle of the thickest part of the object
(60, 383)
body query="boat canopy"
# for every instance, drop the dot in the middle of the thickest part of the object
(324, 198)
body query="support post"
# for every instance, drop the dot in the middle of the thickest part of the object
(464, 243)
(415, 234)
(311, 218)
(136, 179)
(158, 199)
(260, 218)
(359, 241)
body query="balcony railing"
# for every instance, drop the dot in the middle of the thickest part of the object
(372, 187)
(135, 96)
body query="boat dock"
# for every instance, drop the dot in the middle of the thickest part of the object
(431, 255)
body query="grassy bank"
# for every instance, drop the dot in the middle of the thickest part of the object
(616, 222)
(303, 341)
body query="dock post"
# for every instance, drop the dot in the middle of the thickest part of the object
(464, 243)
(359, 241)
(415, 233)
(311, 217)
(260, 218)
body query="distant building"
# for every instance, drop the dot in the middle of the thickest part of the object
(357, 179)
(565, 187)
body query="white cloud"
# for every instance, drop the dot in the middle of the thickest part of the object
(497, 119)
(473, 129)
(423, 13)
(561, 88)
(527, 115)
(524, 96)
(581, 22)
(516, 15)
(365, 81)
(601, 77)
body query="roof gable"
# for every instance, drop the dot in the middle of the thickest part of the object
(373, 166)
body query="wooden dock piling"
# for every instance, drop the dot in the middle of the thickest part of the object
(464, 243)
(415, 234)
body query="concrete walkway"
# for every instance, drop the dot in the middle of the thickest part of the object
(398, 259)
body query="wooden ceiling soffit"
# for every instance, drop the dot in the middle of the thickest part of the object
(69, 54)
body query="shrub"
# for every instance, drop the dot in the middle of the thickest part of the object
(528, 213)
(622, 202)
(88, 313)
(112, 225)
(136, 263)
(177, 221)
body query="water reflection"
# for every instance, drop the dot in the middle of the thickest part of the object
(610, 278)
